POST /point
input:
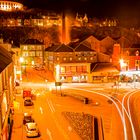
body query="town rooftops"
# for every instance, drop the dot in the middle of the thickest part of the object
(64, 48)
(5, 59)
(33, 42)
(82, 47)
(59, 48)
(67, 48)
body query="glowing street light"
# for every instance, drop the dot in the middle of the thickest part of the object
(122, 64)
(57, 73)
(21, 59)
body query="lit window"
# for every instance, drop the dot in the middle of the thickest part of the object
(70, 58)
(57, 58)
(64, 58)
(137, 53)
(25, 53)
(79, 58)
(25, 47)
(91, 58)
(62, 70)
(85, 58)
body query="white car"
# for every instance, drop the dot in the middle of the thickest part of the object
(32, 130)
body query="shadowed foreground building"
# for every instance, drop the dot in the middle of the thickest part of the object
(6, 92)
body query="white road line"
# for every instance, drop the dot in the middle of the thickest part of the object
(49, 134)
(50, 106)
(117, 107)
(41, 110)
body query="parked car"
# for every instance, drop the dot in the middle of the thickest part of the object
(27, 118)
(28, 101)
(32, 130)
(27, 93)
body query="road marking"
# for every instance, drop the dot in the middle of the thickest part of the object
(49, 134)
(98, 89)
(50, 106)
(41, 110)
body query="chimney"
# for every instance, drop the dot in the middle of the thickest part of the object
(63, 28)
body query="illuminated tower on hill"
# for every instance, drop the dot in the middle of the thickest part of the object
(6, 5)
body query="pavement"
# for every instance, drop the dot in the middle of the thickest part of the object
(17, 121)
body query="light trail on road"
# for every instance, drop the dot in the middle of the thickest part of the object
(129, 94)
(41, 110)
(50, 106)
(117, 107)
(128, 115)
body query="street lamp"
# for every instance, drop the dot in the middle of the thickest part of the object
(122, 64)
(21, 61)
(57, 76)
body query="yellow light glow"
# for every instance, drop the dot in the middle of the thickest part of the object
(57, 73)
(21, 59)
(122, 64)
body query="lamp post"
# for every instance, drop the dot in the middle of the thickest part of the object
(57, 74)
(21, 61)
(57, 78)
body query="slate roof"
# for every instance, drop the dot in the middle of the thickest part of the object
(103, 67)
(74, 44)
(5, 59)
(33, 42)
(51, 48)
(59, 48)
(64, 48)
(82, 48)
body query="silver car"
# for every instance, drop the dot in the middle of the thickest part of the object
(32, 130)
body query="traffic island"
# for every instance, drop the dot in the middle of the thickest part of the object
(82, 123)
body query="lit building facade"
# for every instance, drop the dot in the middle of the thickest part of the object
(128, 60)
(10, 6)
(74, 62)
(32, 52)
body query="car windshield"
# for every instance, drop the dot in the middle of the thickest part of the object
(28, 100)
(28, 117)
(32, 129)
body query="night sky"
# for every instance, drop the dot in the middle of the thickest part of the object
(98, 8)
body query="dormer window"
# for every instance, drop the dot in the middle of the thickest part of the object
(137, 53)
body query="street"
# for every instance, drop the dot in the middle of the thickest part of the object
(49, 106)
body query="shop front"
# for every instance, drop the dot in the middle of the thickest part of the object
(74, 78)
